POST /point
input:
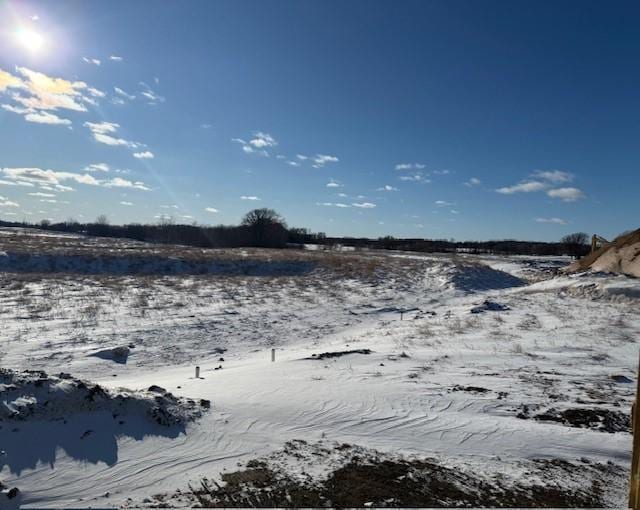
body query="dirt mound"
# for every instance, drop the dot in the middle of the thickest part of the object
(34, 395)
(620, 256)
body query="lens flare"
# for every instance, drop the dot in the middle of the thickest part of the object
(31, 40)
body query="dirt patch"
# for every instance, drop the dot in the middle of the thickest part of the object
(603, 420)
(367, 479)
(337, 354)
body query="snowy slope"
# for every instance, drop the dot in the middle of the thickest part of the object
(477, 389)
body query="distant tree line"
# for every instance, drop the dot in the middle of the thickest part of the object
(267, 229)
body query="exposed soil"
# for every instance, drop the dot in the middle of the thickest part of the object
(337, 354)
(373, 481)
(603, 420)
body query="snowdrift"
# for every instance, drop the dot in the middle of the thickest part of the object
(620, 256)
(470, 277)
(41, 414)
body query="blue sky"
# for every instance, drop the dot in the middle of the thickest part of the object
(438, 119)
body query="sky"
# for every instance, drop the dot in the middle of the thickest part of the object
(431, 119)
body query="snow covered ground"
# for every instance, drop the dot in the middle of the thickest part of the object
(542, 370)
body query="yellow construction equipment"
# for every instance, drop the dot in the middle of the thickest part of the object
(595, 239)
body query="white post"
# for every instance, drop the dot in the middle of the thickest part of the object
(197, 372)
(273, 355)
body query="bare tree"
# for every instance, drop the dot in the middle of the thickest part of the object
(102, 220)
(576, 244)
(267, 227)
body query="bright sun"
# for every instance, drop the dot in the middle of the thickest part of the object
(29, 39)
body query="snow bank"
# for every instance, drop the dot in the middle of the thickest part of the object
(34, 395)
(469, 277)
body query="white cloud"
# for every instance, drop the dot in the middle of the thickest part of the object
(557, 221)
(332, 204)
(261, 140)
(302, 157)
(409, 166)
(555, 176)
(250, 197)
(43, 195)
(474, 181)
(94, 61)
(115, 58)
(334, 184)
(320, 160)
(126, 203)
(124, 94)
(95, 92)
(152, 96)
(441, 172)
(566, 194)
(443, 203)
(143, 155)
(46, 118)
(97, 167)
(364, 205)
(386, 187)
(257, 144)
(523, 187)
(41, 92)
(293, 163)
(206, 126)
(103, 131)
(5, 202)
(211, 209)
(415, 177)
(119, 182)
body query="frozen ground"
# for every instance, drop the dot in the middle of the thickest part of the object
(542, 372)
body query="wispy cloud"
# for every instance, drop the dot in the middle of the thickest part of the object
(116, 58)
(93, 61)
(249, 197)
(415, 177)
(566, 194)
(546, 180)
(333, 204)
(46, 118)
(52, 180)
(443, 203)
(97, 167)
(144, 155)
(124, 94)
(364, 205)
(103, 132)
(119, 182)
(211, 209)
(557, 221)
(409, 166)
(523, 187)
(320, 160)
(43, 195)
(153, 97)
(334, 184)
(474, 181)
(386, 187)
(5, 202)
(258, 144)
(126, 203)
(555, 176)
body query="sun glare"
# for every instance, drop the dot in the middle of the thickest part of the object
(31, 40)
